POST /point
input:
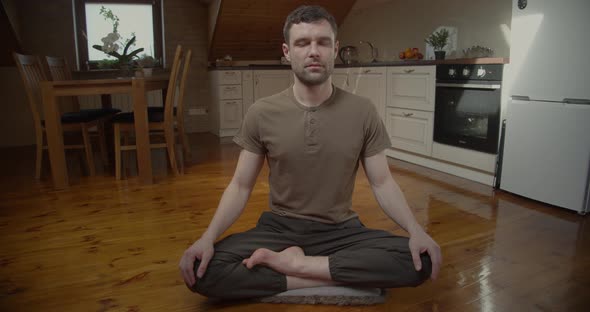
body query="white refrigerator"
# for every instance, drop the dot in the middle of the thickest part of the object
(546, 148)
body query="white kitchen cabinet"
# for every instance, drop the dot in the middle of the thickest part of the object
(410, 108)
(234, 91)
(227, 106)
(410, 130)
(411, 87)
(369, 82)
(230, 114)
(269, 82)
(340, 78)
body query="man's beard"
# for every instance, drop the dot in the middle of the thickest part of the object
(313, 79)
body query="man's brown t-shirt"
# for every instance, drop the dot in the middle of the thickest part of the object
(313, 153)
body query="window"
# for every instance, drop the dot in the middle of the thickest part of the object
(139, 18)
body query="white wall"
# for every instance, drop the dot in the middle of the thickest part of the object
(393, 25)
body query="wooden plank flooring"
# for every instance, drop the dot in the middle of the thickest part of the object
(107, 245)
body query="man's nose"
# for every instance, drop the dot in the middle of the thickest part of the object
(313, 50)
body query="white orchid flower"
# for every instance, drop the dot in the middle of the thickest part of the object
(110, 47)
(109, 44)
(113, 36)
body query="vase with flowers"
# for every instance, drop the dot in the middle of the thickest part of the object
(113, 41)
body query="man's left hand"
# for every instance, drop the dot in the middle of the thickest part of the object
(421, 242)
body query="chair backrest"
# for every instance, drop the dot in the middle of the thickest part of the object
(181, 87)
(60, 70)
(170, 94)
(32, 73)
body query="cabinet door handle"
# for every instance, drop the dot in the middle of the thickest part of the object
(366, 71)
(407, 71)
(408, 114)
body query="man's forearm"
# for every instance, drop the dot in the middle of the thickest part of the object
(232, 203)
(393, 202)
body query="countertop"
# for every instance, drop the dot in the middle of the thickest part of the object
(486, 60)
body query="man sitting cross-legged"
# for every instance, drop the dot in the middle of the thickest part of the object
(313, 136)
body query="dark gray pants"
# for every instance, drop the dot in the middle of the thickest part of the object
(358, 256)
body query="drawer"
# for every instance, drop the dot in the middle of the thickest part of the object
(410, 130)
(230, 92)
(411, 87)
(230, 114)
(228, 77)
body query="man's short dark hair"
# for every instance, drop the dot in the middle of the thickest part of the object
(308, 14)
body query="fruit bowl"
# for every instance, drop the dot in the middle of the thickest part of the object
(411, 54)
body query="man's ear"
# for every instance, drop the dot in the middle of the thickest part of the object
(336, 48)
(286, 52)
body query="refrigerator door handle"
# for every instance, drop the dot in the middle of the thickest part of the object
(576, 101)
(521, 98)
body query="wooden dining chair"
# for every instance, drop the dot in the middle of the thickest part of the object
(59, 69)
(180, 126)
(179, 109)
(160, 122)
(32, 73)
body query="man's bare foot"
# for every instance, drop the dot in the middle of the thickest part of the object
(288, 261)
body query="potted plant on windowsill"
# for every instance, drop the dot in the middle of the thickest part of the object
(111, 44)
(438, 40)
(145, 65)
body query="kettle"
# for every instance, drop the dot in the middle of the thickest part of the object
(348, 55)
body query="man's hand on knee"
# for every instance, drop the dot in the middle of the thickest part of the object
(421, 242)
(201, 250)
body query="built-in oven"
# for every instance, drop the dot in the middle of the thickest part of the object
(467, 106)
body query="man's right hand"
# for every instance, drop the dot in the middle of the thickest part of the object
(202, 250)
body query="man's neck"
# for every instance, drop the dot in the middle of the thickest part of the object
(312, 96)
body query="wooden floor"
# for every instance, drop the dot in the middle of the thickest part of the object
(106, 245)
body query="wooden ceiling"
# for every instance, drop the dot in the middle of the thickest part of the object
(253, 29)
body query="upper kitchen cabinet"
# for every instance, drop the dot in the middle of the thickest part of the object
(253, 30)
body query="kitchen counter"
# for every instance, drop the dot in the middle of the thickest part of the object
(485, 60)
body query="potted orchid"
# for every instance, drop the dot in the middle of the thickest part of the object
(111, 43)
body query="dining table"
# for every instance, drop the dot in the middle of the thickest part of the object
(136, 87)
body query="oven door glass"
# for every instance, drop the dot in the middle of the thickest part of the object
(468, 118)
